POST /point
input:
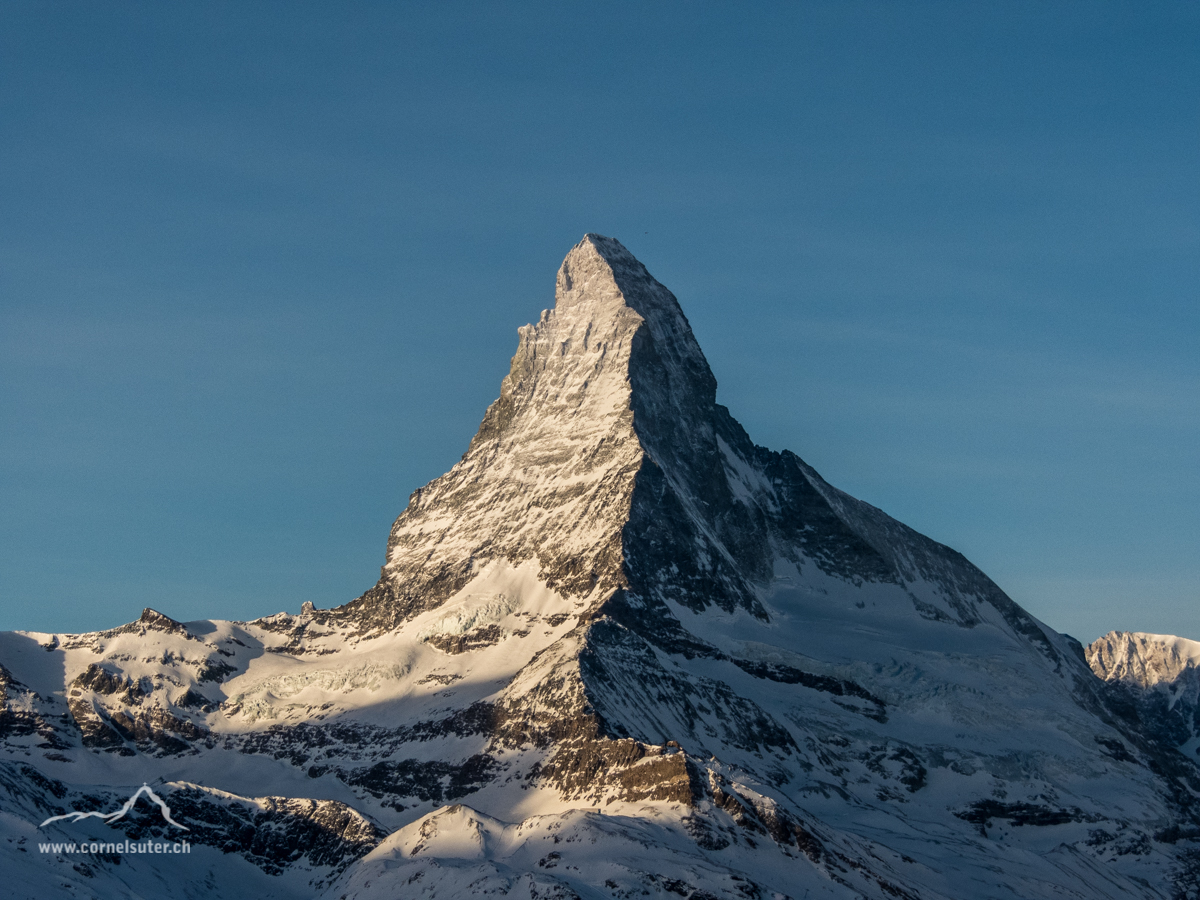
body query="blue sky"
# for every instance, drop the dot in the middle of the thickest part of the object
(262, 265)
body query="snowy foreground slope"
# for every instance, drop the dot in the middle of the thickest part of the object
(617, 651)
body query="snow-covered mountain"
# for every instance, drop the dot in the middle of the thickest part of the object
(1155, 678)
(618, 650)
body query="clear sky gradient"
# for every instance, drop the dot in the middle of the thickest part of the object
(262, 266)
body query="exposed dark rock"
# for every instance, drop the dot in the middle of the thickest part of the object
(1115, 749)
(270, 832)
(982, 813)
(94, 728)
(484, 636)
(193, 700)
(431, 780)
(24, 713)
(152, 619)
(97, 678)
(215, 670)
(836, 686)
(592, 768)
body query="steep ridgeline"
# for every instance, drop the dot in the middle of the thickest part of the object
(608, 461)
(618, 651)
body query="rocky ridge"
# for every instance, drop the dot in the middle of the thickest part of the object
(1153, 679)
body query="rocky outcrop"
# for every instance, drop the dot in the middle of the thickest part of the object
(25, 716)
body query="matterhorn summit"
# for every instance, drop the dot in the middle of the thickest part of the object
(618, 650)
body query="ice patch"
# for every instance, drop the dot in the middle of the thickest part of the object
(470, 615)
(370, 677)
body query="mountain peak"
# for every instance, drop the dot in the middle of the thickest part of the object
(608, 466)
(669, 379)
(606, 383)
(600, 268)
(593, 266)
(600, 278)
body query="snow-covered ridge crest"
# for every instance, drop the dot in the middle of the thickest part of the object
(1154, 678)
(1142, 659)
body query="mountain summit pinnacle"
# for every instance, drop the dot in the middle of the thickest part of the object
(599, 278)
(607, 465)
(607, 384)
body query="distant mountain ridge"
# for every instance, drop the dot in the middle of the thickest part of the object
(1145, 660)
(618, 650)
(1156, 678)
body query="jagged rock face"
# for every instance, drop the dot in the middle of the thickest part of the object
(1154, 679)
(654, 658)
(600, 460)
(550, 473)
(1144, 660)
(26, 716)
